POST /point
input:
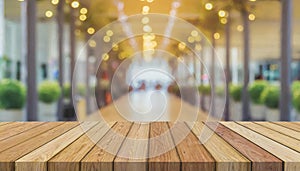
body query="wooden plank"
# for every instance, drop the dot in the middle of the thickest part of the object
(134, 152)
(98, 158)
(4, 123)
(69, 158)
(291, 125)
(37, 159)
(14, 128)
(193, 155)
(281, 129)
(227, 158)
(24, 136)
(290, 157)
(261, 159)
(168, 161)
(9, 156)
(274, 135)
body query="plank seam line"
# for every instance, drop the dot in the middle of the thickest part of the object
(180, 163)
(268, 138)
(17, 127)
(29, 139)
(5, 123)
(113, 162)
(215, 161)
(285, 126)
(95, 144)
(39, 146)
(148, 151)
(23, 131)
(254, 144)
(72, 141)
(276, 130)
(282, 161)
(251, 163)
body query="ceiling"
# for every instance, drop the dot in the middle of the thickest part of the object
(265, 30)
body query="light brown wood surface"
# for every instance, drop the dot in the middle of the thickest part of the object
(99, 158)
(227, 158)
(211, 146)
(290, 157)
(166, 161)
(74, 153)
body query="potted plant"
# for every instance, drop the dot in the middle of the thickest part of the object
(270, 97)
(236, 105)
(257, 107)
(12, 100)
(296, 104)
(48, 92)
(205, 91)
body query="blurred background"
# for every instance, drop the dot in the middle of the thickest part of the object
(257, 41)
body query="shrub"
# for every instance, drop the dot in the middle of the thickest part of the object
(296, 100)
(295, 86)
(12, 94)
(49, 91)
(270, 97)
(204, 89)
(67, 90)
(236, 92)
(256, 89)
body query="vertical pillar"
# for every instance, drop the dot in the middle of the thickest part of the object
(227, 68)
(87, 81)
(245, 93)
(72, 48)
(30, 32)
(212, 76)
(60, 31)
(2, 28)
(202, 98)
(286, 59)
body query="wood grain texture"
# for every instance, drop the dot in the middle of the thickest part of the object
(134, 152)
(168, 161)
(261, 159)
(37, 159)
(274, 135)
(193, 155)
(98, 158)
(227, 158)
(15, 128)
(26, 135)
(4, 123)
(290, 157)
(9, 156)
(291, 125)
(281, 129)
(74, 153)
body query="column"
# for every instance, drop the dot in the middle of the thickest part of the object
(286, 59)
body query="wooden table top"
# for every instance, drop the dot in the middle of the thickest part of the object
(233, 146)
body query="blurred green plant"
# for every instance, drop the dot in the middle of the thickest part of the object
(12, 94)
(49, 91)
(204, 89)
(295, 86)
(256, 89)
(270, 97)
(236, 92)
(67, 90)
(296, 99)
(220, 91)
